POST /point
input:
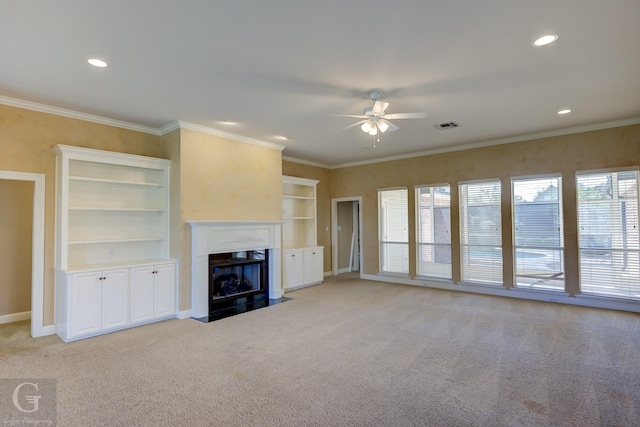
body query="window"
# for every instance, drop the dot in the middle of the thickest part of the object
(393, 230)
(434, 231)
(481, 232)
(608, 235)
(537, 231)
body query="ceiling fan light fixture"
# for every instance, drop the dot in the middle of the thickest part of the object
(366, 127)
(383, 126)
(373, 130)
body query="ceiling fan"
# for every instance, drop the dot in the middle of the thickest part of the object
(374, 119)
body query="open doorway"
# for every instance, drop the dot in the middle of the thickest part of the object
(22, 221)
(346, 235)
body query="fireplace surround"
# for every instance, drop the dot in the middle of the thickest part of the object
(213, 238)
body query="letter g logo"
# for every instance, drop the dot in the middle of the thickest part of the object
(31, 399)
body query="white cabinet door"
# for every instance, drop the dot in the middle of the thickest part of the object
(292, 268)
(165, 290)
(85, 303)
(313, 265)
(142, 293)
(115, 298)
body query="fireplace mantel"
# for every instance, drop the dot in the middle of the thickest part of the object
(211, 237)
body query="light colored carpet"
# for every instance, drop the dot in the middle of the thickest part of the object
(350, 353)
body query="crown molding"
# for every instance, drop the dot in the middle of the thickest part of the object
(500, 141)
(43, 108)
(306, 162)
(228, 135)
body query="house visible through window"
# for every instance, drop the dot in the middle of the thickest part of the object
(393, 230)
(538, 233)
(434, 231)
(608, 234)
(481, 232)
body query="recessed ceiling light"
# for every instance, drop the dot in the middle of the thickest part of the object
(281, 137)
(97, 62)
(564, 111)
(545, 40)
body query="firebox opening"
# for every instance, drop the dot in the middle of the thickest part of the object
(238, 282)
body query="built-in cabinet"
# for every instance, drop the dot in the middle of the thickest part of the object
(112, 242)
(302, 259)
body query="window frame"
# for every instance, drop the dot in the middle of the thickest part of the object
(463, 207)
(382, 242)
(560, 248)
(589, 248)
(433, 244)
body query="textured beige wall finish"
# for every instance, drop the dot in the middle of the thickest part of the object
(222, 179)
(26, 139)
(16, 226)
(323, 194)
(609, 148)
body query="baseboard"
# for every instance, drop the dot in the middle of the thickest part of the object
(535, 295)
(183, 314)
(47, 330)
(15, 317)
(328, 273)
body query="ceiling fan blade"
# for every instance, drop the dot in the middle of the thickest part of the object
(392, 127)
(360, 116)
(396, 116)
(354, 124)
(379, 107)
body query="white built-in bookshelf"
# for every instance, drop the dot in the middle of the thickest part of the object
(302, 258)
(112, 213)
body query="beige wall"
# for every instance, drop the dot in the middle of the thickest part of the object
(26, 139)
(323, 194)
(564, 154)
(222, 179)
(16, 226)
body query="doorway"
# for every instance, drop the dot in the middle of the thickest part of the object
(346, 235)
(31, 186)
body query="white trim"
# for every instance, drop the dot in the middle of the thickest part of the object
(500, 141)
(34, 106)
(15, 317)
(37, 250)
(607, 170)
(499, 291)
(334, 231)
(442, 184)
(328, 273)
(228, 135)
(307, 162)
(183, 314)
(43, 108)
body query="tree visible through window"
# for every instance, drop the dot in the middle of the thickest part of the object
(434, 231)
(608, 234)
(538, 233)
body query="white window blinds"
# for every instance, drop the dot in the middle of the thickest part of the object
(434, 231)
(537, 231)
(608, 234)
(481, 232)
(393, 230)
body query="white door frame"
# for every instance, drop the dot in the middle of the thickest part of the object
(334, 231)
(37, 248)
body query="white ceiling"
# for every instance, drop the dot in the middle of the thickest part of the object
(284, 67)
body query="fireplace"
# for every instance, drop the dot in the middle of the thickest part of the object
(237, 283)
(234, 249)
